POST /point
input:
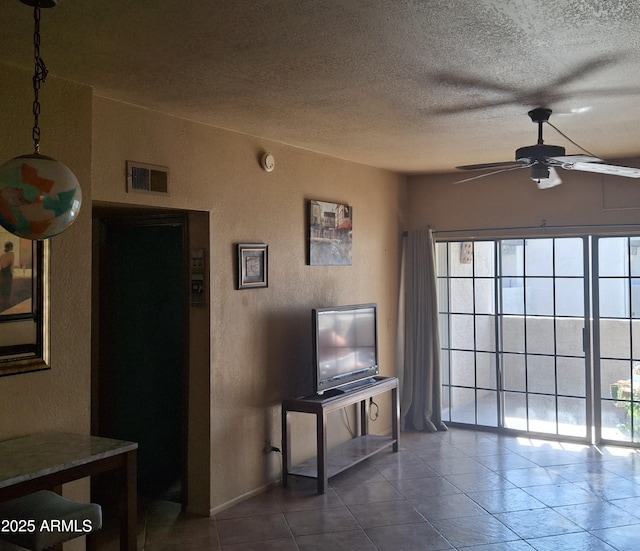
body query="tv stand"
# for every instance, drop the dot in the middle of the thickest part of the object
(328, 463)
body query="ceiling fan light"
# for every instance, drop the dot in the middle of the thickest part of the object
(552, 181)
(539, 172)
(545, 183)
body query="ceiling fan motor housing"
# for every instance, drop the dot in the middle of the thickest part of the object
(541, 114)
(539, 152)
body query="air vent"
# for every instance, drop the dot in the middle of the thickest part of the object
(143, 178)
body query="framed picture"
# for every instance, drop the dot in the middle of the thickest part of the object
(252, 265)
(330, 234)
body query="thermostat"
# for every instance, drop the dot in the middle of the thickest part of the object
(268, 162)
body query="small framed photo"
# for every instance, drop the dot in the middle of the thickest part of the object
(252, 265)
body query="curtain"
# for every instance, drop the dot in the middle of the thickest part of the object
(418, 336)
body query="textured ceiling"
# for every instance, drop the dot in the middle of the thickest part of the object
(407, 85)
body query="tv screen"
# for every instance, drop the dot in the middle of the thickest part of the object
(345, 343)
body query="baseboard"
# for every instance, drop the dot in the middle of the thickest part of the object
(228, 504)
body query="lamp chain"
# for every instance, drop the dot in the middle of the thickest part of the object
(39, 76)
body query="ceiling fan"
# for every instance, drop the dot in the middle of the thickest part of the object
(543, 160)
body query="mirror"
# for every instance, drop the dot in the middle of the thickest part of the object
(21, 304)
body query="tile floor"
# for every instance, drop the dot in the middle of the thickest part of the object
(458, 489)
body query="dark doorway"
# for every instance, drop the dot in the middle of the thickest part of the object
(142, 344)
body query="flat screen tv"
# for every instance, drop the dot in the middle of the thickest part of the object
(345, 343)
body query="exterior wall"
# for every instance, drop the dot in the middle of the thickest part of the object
(260, 339)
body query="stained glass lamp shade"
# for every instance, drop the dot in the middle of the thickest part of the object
(39, 196)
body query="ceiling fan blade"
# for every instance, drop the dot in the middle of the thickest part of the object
(471, 82)
(467, 108)
(491, 173)
(552, 181)
(573, 159)
(583, 69)
(603, 168)
(486, 166)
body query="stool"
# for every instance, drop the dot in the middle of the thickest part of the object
(45, 519)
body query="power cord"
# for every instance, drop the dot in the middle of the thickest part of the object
(570, 140)
(346, 422)
(373, 416)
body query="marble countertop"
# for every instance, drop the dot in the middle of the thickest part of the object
(36, 455)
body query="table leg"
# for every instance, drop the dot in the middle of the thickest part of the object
(395, 417)
(364, 417)
(321, 444)
(286, 454)
(92, 541)
(58, 490)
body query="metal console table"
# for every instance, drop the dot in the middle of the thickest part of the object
(328, 463)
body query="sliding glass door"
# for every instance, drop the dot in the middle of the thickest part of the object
(617, 338)
(514, 341)
(467, 298)
(543, 321)
(542, 335)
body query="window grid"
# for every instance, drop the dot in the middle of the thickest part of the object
(619, 411)
(499, 276)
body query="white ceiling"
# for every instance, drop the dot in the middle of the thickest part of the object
(413, 86)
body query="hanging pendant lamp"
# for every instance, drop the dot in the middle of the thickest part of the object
(39, 196)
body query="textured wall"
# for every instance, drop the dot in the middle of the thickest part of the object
(260, 342)
(58, 398)
(260, 339)
(511, 199)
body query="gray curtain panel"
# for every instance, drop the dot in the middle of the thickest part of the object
(419, 338)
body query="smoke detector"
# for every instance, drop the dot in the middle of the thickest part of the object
(267, 162)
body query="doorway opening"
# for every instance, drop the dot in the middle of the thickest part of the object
(141, 336)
